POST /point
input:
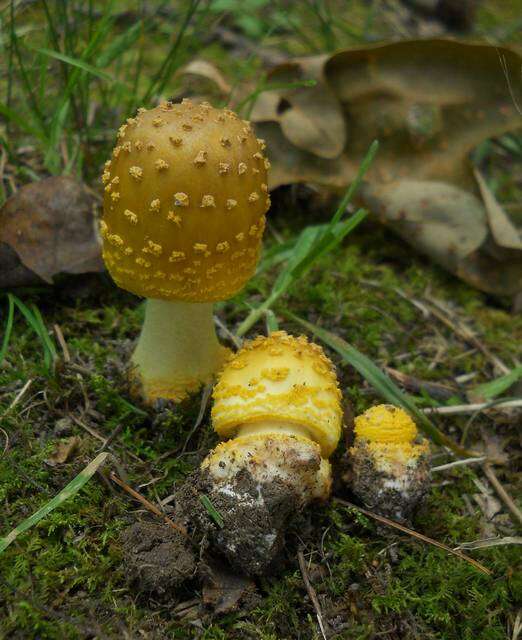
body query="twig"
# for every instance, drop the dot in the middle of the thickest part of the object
(205, 397)
(17, 398)
(470, 408)
(311, 592)
(502, 493)
(458, 463)
(115, 433)
(410, 383)
(6, 436)
(237, 342)
(415, 534)
(148, 505)
(440, 311)
(62, 343)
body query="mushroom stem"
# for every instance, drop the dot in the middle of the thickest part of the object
(177, 350)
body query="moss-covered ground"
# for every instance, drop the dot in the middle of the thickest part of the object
(64, 579)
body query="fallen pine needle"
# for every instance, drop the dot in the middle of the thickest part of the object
(415, 534)
(148, 505)
(311, 592)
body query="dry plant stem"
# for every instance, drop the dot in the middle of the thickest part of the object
(415, 534)
(18, 397)
(471, 408)
(148, 505)
(458, 463)
(63, 344)
(311, 592)
(177, 349)
(440, 311)
(503, 494)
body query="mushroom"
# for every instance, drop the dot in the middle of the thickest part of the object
(277, 402)
(390, 462)
(184, 213)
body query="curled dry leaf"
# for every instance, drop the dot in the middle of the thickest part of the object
(429, 103)
(64, 451)
(223, 590)
(203, 78)
(47, 228)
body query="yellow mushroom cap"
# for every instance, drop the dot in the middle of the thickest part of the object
(389, 434)
(284, 379)
(184, 203)
(385, 423)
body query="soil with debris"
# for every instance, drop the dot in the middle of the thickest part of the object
(156, 557)
(254, 518)
(376, 489)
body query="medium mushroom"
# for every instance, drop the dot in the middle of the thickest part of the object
(390, 462)
(278, 402)
(184, 213)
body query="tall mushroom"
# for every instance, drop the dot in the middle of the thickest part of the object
(278, 404)
(184, 213)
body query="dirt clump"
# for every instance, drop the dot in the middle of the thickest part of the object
(157, 557)
(251, 519)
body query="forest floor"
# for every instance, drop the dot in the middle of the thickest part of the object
(65, 578)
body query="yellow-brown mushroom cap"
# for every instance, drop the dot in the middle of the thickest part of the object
(280, 378)
(184, 204)
(390, 435)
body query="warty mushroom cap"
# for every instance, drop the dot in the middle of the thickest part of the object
(184, 203)
(280, 378)
(390, 436)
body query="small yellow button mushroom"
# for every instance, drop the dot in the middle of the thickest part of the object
(390, 462)
(171, 234)
(278, 402)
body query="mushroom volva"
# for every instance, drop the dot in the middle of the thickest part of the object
(184, 213)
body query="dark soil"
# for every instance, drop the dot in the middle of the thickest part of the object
(156, 557)
(255, 517)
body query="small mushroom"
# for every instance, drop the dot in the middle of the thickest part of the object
(390, 462)
(164, 230)
(278, 402)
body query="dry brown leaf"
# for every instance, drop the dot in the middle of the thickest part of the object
(64, 450)
(223, 590)
(301, 113)
(429, 103)
(203, 78)
(47, 228)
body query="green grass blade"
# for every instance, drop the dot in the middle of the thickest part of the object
(494, 388)
(381, 383)
(43, 332)
(75, 62)
(37, 325)
(67, 492)
(8, 327)
(313, 242)
(212, 511)
(166, 69)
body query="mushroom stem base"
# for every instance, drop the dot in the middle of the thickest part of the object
(177, 351)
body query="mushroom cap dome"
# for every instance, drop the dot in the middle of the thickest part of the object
(280, 378)
(184, 204)
(385, 423)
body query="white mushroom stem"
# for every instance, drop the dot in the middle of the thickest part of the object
(177, 350)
